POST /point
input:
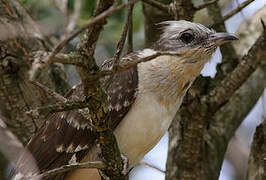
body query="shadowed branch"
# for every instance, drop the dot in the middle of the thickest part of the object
(70, 167)
(233, 12)
(234, 80)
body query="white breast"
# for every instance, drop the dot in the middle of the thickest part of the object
(147, 121)
(143, 126)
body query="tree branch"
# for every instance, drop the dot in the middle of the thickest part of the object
(158, 5)
(229, 56)
(257, 168)
(234, 80)
(98, 113)
(72, 58)
(76, 59)
(167, 8)
(199, 141)
(50, 92)
(48, 59)
(122, 40)
(238, 9)
(91, 22)
(129, 63)
(73, 19)
(70, 167)
(130, 30)
(58, 107)
(227, 119)
(233, 12)
(206, 4)
(151, 166)
(37, 58)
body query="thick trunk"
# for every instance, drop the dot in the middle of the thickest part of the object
(20, 37)
(257, 168)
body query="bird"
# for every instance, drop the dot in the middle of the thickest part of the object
(142, 101)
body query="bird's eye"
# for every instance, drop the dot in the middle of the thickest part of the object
(186, 38)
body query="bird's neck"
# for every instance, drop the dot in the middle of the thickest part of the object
(169, 77)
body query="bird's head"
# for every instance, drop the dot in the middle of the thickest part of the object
(190, 39)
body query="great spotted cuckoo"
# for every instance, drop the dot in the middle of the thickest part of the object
(142, 100)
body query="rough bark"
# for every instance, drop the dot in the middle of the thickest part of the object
(185, 153)
(257, 167)
(98, 101)
(18, 39)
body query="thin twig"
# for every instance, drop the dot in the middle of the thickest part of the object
(166, 8)
(75, 59)
(239, 8)
(72, 58)
(151, 166)
(58, 107)
(50, 92)
(130, 29)
(73, 18)
(133, 62)
(233, 12)
(158, 5)
(263, 25)
(91, 22)
(121, 43)
(202, 6)
(69, 167)
(241, 12)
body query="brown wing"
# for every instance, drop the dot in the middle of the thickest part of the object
(121, 90)
(65, 134)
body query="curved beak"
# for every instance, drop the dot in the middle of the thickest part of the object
(221, 38)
